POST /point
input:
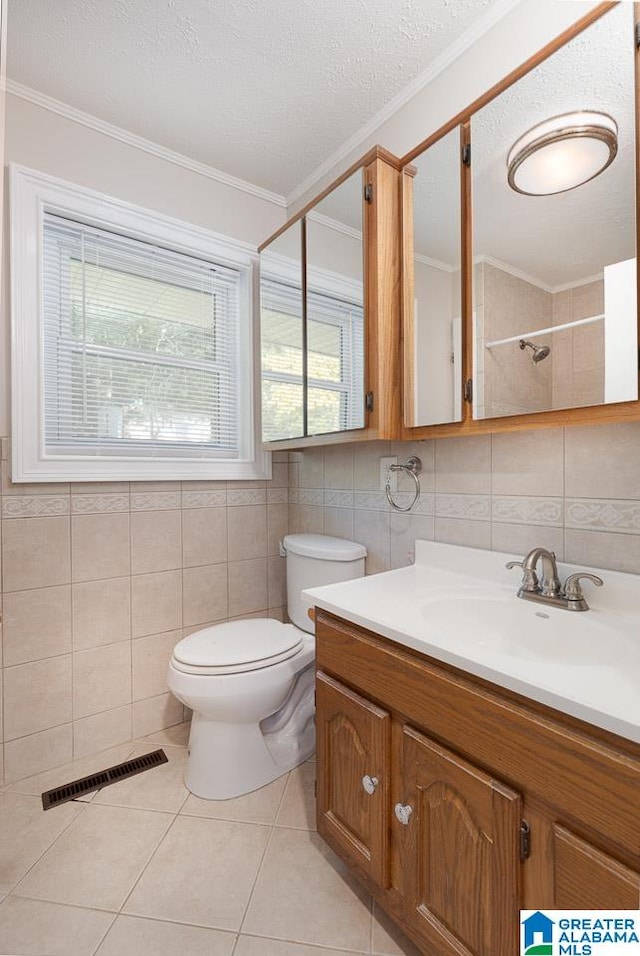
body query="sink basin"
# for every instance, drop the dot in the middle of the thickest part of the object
(523, 629)
(459, 606)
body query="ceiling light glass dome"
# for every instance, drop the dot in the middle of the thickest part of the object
(562, 153)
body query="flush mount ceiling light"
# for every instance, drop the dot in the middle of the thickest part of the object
(562, 153)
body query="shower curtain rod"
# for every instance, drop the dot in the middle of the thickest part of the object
(538, 332)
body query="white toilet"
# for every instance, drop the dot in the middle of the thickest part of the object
(250, 683)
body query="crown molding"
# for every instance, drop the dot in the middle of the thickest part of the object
(534, 280)
(335, 225)
(139, 142)
(498, 10)
(513, 271)
(578, 282)
(435, 263)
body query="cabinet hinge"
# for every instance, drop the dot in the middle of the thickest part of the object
(368, 401)
(525, 841)
(468, 390)
(466, 154)
(368, 192)
(637, 32)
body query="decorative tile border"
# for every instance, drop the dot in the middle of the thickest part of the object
(204, 499)
(371, 501)
(473, 507)
(247, 496)
(425, 505)
(34, 506)
(312, 496)
(534, 511)
(99, 504)
(155, 500)
(277, 496)
(603, 515)
(338, 499)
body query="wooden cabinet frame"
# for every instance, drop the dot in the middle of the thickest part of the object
(591, 414)
(382, 230)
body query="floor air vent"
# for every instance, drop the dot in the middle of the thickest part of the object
(77, 788)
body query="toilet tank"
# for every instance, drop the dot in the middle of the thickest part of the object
(313, 560)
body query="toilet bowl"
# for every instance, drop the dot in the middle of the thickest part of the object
(250, 683)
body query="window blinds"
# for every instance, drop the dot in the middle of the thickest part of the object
(335, 361)
(140, 347)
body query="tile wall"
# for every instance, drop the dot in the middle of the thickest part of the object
(575, 491)
(99, 582)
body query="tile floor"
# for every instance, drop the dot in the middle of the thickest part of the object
(143, 867)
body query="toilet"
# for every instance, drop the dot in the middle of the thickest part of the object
(250, 684)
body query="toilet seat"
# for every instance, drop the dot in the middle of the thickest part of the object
(237, 647)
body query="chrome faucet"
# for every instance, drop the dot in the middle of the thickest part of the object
(548, 590)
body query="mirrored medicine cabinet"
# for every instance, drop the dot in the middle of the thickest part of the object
(486, 281)
(519, 245)
(329, 313)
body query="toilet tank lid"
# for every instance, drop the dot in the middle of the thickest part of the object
(324, 547)
(238, 642)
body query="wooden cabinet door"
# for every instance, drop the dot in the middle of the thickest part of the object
(567, 871)
(461, 849)
(353, 777)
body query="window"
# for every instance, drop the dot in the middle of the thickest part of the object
(143, 328)
(335, 324)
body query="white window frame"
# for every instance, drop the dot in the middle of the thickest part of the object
(33, 193)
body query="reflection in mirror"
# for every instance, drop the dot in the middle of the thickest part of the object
(335, 310)
(433, 312)
(555, 312)
(281, 336)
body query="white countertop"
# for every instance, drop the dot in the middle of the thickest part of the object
(459, 605)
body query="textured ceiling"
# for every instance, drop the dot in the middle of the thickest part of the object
(264, 91)
(558, 239)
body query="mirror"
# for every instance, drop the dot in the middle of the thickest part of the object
(432, 320)
(282, 336)
(555, 310)
(312, 320)
(335, 310)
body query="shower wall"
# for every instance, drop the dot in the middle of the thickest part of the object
(508, 382)
(578, 354)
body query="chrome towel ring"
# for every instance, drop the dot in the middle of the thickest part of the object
(413, 467)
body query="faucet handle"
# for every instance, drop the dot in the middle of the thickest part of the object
(529, 576)
(573, 588)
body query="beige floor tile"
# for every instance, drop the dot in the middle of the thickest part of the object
(26, 832)
(36, 928)
(304, 894)
(259, 946)
(131, 936)
(203, 873)
(98, 859)
(388, 939)
(160, 788)
(176, 735)
(260, 806)
(73, 771)
(298, 807)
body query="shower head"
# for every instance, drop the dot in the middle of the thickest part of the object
(539, 352)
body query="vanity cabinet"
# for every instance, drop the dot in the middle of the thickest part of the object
(458, 803)
(354, 744)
